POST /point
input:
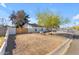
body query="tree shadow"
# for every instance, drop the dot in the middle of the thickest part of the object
(10, 45)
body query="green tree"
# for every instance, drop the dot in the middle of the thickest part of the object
(75, 27)
(48, 19)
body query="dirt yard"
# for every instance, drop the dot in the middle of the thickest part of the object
(36, 44)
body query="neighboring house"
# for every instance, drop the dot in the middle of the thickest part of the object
(34, 28)
(27, 28)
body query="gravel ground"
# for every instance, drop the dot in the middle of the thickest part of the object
(74, 48)
(36, 44)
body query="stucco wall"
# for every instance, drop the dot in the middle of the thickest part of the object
(34, 29)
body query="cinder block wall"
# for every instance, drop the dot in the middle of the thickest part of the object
(12, 31)
(3, 47)
(2, 30)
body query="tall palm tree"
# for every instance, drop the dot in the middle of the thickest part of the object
(13, 17)
(19, 18)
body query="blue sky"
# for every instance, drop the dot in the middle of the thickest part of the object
(67, 10)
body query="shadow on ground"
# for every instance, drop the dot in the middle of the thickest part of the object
(69, 36)
(10, 45)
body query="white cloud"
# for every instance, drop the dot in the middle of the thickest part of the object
(76, 16)
(3, 5)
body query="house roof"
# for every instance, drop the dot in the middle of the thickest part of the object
(35, 25)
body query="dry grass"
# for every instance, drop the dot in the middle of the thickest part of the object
(36, 44)
(1, 40)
